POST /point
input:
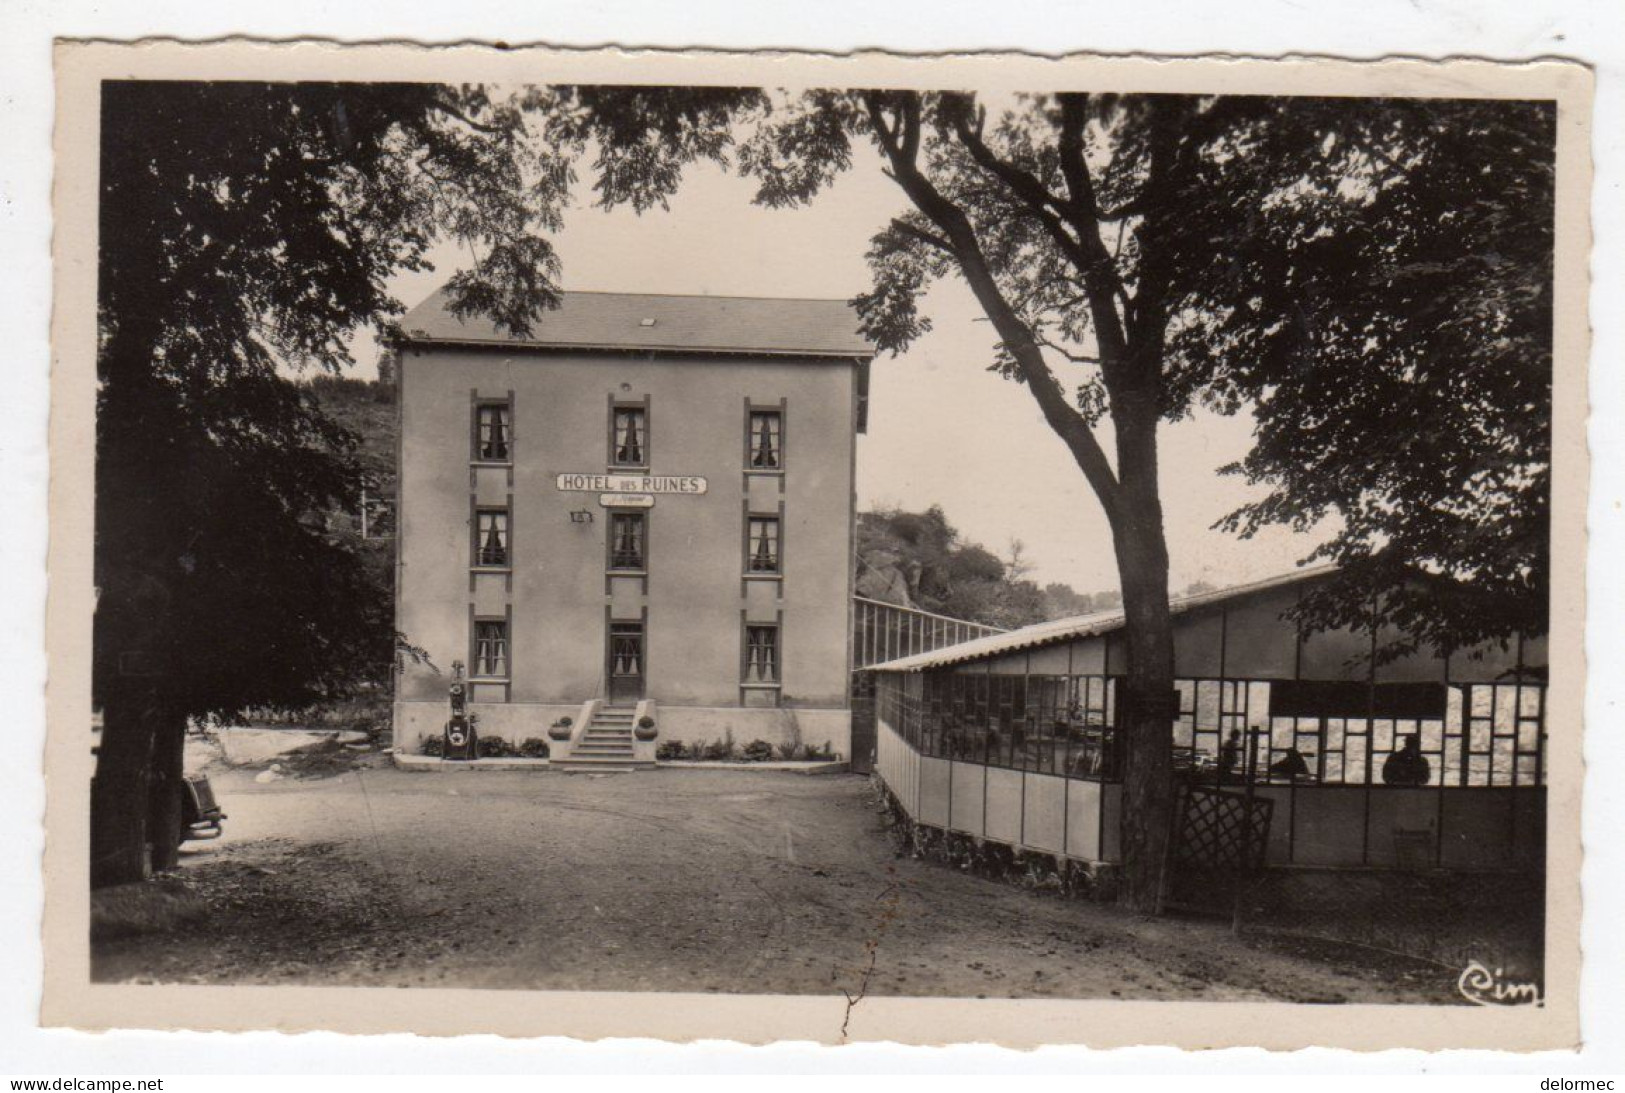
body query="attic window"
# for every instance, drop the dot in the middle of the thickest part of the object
(646, 322)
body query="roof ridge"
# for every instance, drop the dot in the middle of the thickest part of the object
(658, 322)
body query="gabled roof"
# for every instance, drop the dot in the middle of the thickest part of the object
(1083, 626)
(624, 321)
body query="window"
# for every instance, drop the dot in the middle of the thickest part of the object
(629, 439)
(491, 537)
(762, 545)
(626, 540)
(765, 445)
(491, 648)
(493, 433)
(626, 649)
(761, 654)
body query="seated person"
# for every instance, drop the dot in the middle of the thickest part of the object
(1290, 765)
(1230, 756)
(1407, 766)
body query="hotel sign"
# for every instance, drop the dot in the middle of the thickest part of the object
(630, 483)
(627, 500)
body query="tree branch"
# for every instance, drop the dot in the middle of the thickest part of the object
(452, 112)
(1075, 358)
(937, 241)
(901, 156)
(1100, 272)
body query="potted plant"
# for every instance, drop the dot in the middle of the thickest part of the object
(560, 729)
(493, 747)
(645, 729)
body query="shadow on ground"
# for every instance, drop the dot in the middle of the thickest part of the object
(668, 880)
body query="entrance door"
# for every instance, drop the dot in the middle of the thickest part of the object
(625, 663)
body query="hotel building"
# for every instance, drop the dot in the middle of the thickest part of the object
(645, 503)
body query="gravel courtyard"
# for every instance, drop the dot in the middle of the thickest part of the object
(669, 880)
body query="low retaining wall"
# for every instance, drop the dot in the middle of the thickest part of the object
(512, 721)
(778, 726)
(517, 721)
(1466, 828)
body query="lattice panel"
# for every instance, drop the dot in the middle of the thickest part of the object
(1219, 836)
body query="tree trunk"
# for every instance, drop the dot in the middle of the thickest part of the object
(164, 790)
(135, 796)
(120, 794)
(1146, 705)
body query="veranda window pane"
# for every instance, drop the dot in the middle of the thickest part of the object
(1432, 735)
(1529, 701)
(1207, 705)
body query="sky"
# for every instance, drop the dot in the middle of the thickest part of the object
(942, 429)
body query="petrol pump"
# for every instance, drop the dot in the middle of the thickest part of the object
(461, 740)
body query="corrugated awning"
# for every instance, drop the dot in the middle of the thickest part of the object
(1081, 626)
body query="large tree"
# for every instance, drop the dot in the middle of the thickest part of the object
(1409, 397)
(247, 230)
(1139, 254)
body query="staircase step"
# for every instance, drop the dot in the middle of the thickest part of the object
(604, 765)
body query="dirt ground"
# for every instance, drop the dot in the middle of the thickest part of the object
(668, 880)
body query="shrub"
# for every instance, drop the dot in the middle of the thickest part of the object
(646, 722)
(789, 750)
(493, 747)
(758, 751)
(718, 750)
(671, 749)
(823, 753)
(533, 747)
(433, 745)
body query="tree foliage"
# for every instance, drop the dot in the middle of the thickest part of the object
(1399, 368)
(247, 230)
(920, 560)
(1371, 279)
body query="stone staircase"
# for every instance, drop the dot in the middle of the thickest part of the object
(605, 744)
